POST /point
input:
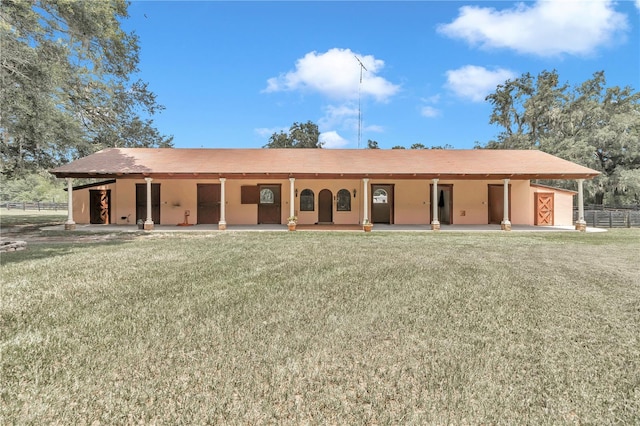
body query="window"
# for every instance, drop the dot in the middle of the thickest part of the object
(266, 196)
(249, 194)
(380, 196)
(344, 201)
(307, 201)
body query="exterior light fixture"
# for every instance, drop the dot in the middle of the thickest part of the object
(354, 193)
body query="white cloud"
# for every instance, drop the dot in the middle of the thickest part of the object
(336, 74)
(638, 4)
(340, 115)
(475, 83)
(429, 112)
(546, 28)
(332, 140)
(267, 132)
(374, 128)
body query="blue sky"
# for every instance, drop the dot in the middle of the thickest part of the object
(230, 74)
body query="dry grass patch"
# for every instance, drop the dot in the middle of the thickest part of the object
(325, 328)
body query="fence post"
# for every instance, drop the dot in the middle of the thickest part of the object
(24, 206)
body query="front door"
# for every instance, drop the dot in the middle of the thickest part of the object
(100, 206)
(382, 204)
(496, 203)
(325, 206)
(269, 204)
(544, 208)
(208, 203)
(141, 202)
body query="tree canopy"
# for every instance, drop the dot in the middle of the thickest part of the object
(300, 135)
(591, 124)
(371, 144)
(66, 84)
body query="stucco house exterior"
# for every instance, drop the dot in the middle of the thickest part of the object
(256, 186)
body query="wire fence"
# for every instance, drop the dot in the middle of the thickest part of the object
(35, 205)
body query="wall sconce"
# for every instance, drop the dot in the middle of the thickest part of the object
(296, 191)
(354, 193)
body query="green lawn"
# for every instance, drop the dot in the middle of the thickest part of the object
(32, 219)
(324, 328)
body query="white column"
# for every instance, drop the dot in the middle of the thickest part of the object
(70, 224)
(505, 225)
(148, 224)
(365, 184)
(292, 201)
(581, 224)
(435, 222)
(222, 224)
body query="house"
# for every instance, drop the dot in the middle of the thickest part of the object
(258, 186)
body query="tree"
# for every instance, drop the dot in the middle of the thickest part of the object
(301, 135)
(65, 84)
(372, 144)
(591, 124)
(418, 146)
(398, 147)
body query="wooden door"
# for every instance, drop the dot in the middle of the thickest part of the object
(325, 206)
(382, 204)
(269, 204)
(141, 202)
(208, 203)
(543, 208)
(100, 206)
(496, 203)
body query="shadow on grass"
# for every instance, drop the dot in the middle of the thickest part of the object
(48, 249)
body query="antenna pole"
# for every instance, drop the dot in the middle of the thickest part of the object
(362, 67)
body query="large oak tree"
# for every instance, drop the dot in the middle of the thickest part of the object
(591, 124)
(67, 85)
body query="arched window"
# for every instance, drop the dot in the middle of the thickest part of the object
(344, 200)
(380, 196)
(266, 196)
(307, 201)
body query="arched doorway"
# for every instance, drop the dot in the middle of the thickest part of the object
(325, 206)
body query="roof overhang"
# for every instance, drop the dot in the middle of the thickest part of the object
(182, 163)
(377, 176)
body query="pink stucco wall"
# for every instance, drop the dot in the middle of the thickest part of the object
(412, 200)
(81, 208)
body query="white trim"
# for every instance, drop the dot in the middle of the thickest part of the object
(69, 223)
(434, 202)
(505, 210)
(223, 201)
(149, 220)
(365, 215)
(292, 201)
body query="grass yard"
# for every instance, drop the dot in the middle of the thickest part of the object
(324, 328)
(32, 219)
